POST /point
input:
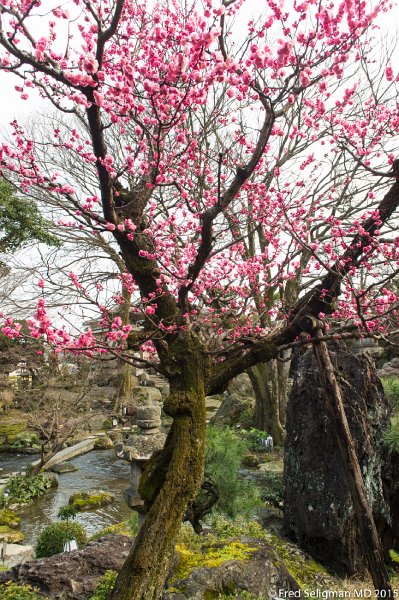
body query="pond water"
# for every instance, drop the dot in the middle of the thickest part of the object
(99, 469)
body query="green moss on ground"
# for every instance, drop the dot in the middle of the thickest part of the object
(307, 572)
(9, 518)
(210, 551)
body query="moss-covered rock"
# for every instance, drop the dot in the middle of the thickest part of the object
(91, 500)
(103, 443)
(212, 566)
(10, 536)
(9, 518)
(307, 572)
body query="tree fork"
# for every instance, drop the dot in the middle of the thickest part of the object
(334, 400)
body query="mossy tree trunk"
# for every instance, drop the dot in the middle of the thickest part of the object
(171, 478)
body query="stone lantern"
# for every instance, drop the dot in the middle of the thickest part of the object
(138, 449)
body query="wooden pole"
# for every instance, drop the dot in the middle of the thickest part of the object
(364, 516)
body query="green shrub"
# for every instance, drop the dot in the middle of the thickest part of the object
(272, 489)
(223, 454)
(23, 489)
(391, 389)
(52, 538)
(15, 591)
(26, 440)
(225, 528)
(253, 437)
(104, 586)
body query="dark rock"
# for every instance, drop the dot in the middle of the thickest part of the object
(233, 410)
(73, 575)
(262, 575)
(390, 369)
(317, 504)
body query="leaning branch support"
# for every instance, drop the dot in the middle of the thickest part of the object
(334, 401)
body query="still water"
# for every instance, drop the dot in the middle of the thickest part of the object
(99, 469)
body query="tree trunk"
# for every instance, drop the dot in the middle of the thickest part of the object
(170, 480)
(269, 381)
(124, 392)
(364, 516)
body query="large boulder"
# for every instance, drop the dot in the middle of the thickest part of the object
(238, 404)
(16, 554)
(390, 369)
(262, 575)
(73, 575)
(317, 505)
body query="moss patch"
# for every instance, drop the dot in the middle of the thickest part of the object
(103, 443)
(10, 535)
(307, 572)
(210, 551)
(91, 500)
(9, 518)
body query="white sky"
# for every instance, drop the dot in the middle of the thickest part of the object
(11, 105)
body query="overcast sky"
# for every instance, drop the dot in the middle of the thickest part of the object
(12, 106)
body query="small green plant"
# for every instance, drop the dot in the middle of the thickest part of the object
(52, 539)
(254, 437)
(391, 436)
(26, 440)
(391, 389)
(12, 590)
(22, 489)
(107, 425)
(272, 489)
(67, 512)
(104, 586)
(225, 528)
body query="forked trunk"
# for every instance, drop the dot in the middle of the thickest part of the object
(170, 480)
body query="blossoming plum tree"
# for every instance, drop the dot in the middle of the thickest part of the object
(183, 110)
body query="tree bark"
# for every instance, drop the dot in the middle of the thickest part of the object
(364, 516)
(170, 480)
(270, 383)
(264, 379)
(124, 392)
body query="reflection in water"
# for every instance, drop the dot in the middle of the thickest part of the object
(99, 469)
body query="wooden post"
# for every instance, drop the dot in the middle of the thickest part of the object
(364, 516)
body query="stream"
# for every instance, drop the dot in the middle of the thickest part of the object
(98, 469)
